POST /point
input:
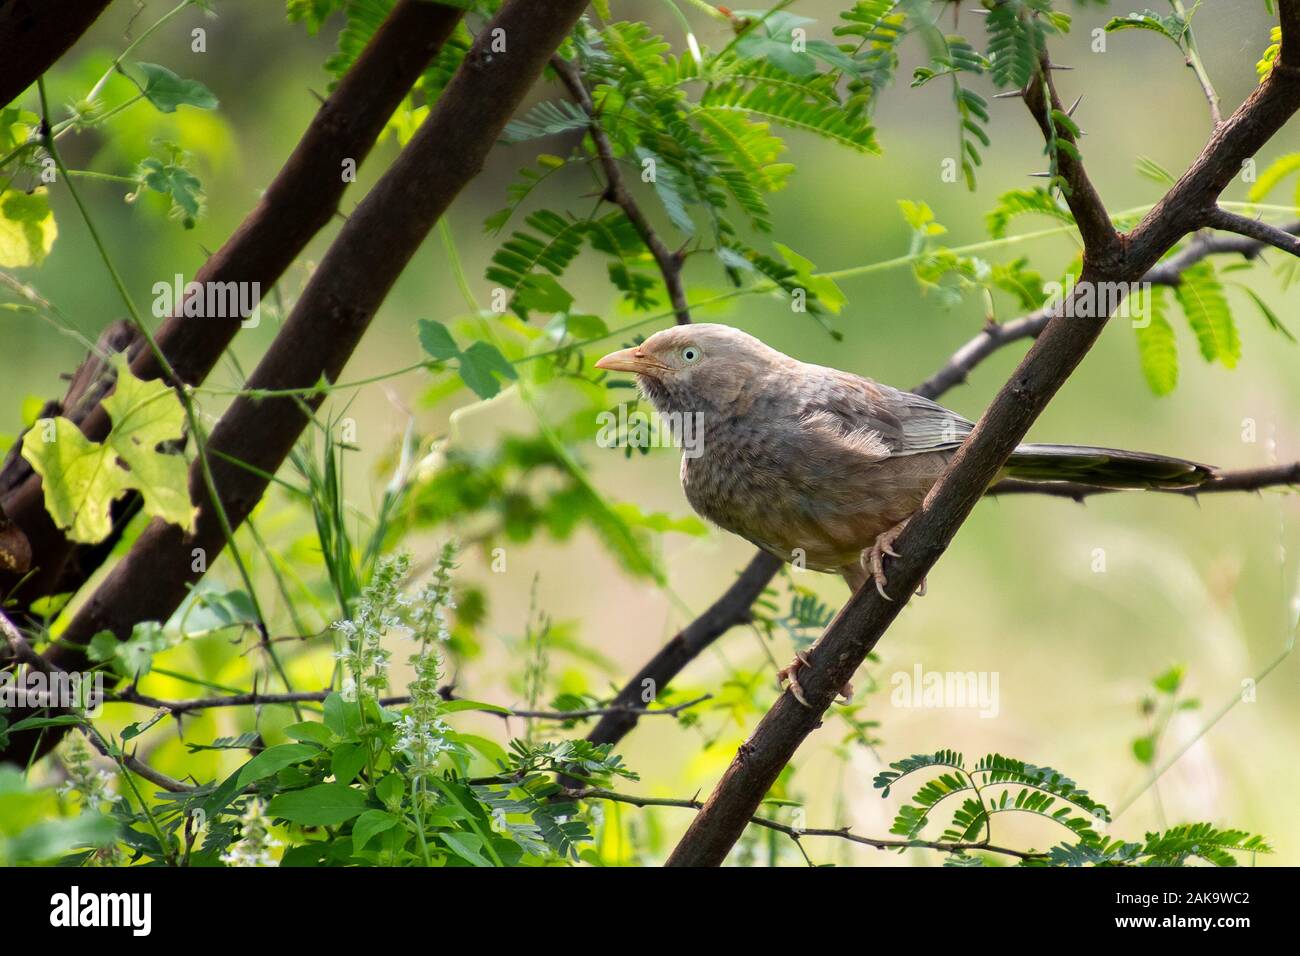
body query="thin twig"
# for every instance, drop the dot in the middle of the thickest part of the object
(1166, 273)
(616, 191)
(175, 707)
(1256, 229)
(798, 833)
(140, 768)
(1247, 479)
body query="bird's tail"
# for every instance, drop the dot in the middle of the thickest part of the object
(1105, 467)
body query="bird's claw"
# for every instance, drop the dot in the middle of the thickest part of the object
(788, 675)
(873, 558)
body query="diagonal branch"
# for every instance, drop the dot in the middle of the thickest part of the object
(733, 607)
(298, 203)
(35, 34)
(616, 191)
(325, 327)
(861, 623)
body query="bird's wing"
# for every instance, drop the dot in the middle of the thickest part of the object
(901, 423)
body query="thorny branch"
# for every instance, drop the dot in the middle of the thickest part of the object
(1108, 257)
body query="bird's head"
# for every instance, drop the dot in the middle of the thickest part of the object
(697, 368)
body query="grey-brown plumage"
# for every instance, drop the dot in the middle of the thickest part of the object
(821, 466)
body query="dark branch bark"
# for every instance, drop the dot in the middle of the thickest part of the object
(298, 203)
(1100, 240)
(1247, 479)
(178, 707)
(1254, 229)
(1057, 352)
(35, 33)
(374, 246)
(733, 607)
(797, 834)
(616, 191)
(727, 611)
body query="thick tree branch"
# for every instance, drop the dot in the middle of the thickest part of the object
(733, 607)
(798, 833)
(616, 191)
(298, 203)
(35, 33)
(373, 247)
(863, 620)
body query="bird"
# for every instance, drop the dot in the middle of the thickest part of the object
(823, 468)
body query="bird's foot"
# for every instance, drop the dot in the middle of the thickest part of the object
(873, 558)
(789, 675)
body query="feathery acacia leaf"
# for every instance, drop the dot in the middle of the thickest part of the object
(1157, 348)
(1201, 296)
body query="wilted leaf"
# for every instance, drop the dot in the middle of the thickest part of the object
(82, 478)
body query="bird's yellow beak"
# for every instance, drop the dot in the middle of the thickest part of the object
(630, 360)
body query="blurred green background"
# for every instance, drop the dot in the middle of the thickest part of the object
(1209, 585)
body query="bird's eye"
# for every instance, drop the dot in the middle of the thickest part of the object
(690, 354)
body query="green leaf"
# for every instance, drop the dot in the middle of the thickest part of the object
(1169, 681)
(83, 478)
(481, 365)
(437, 341)
(311, 732)
(546, 119)
(1172, 26)
(340, 715)
(1014, 45)
(320, 806)
(1155, 339)
(166, 91)
(369, 824)
(1278, 170)
(175, 181)
(133, 657)
(27, 227)
(1144, 749)
(465, 845)
(1269, 315)
(312, 13)
(1021, 202)
(542, 292)
(35, 723)
(272, 760)
(50, 839)
(1154, 171)
(347, 762)
(1206, 308)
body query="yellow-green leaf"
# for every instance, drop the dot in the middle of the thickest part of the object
(27, 228)
(82, 478)
(1156, 346)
